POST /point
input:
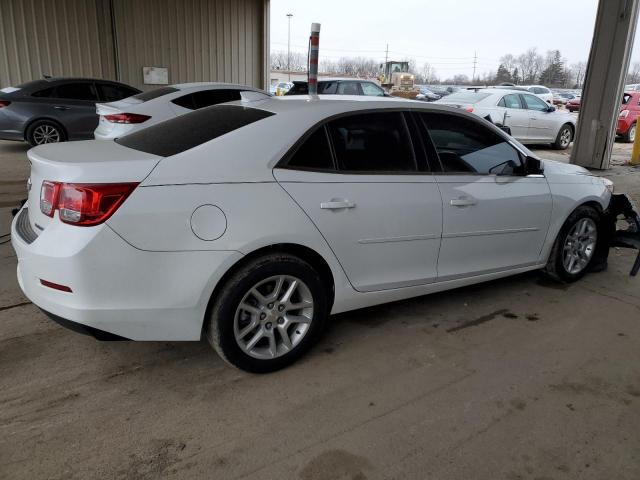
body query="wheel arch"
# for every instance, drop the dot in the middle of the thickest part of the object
(39, 119)
(305, 253)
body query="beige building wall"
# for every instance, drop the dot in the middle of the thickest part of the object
(196, 40)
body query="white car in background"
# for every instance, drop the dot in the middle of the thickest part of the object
(251, 224)
(525, 116)
(541, 91)
(148, 108)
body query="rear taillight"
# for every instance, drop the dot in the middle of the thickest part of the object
(126, 118)
(49, 197)
(83, 204)
(468, 109)
(4, 103)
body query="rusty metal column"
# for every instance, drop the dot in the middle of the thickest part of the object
(314, 47)
(604, 82)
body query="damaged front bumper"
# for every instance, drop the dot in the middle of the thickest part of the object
(622, 210)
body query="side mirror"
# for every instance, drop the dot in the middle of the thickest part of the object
(551, 108)
(533, 166)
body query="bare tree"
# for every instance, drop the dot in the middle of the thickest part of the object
(280, 61)
(633, 76)
(427, 75)
(530, 64)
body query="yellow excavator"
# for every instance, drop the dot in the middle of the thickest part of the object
(397, 80)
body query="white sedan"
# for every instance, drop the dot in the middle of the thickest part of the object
(148, 108)
(524, 115)
(250, 225)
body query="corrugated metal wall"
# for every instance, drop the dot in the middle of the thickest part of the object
(55, 37)
(197, 40)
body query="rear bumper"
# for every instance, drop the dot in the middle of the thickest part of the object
(115, 288)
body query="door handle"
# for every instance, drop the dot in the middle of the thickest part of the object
(532, 118)
(337, 205)
(463, 202)
(61, 107)
(507, 116)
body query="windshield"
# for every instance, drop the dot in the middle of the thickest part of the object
(466, 97)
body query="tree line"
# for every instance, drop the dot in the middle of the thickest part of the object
(530, 67)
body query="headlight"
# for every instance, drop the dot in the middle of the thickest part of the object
(608, 184)
(624, 114)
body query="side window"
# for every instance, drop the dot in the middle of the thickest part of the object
(314, 153)
(327, 88)
(510, 101)
(464, 146)
(185, 101)
(46, 93)
(77, 91)
(535, 103)
(348, 88)
(112, 93)
(371, 90)
(372, 142)
(206, 98)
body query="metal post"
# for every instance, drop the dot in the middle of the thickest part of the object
(604, 82)
(635, 153)
(314, 48)
(289, 15)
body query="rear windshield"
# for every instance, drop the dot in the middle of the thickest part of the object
(158, 92)
(187, 131)
(466, 97)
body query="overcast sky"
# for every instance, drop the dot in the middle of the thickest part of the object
(445, 33)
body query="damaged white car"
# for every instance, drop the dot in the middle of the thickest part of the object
(250, 225)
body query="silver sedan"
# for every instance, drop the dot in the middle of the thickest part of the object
(525, 116)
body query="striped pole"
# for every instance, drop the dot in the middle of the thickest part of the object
(314, 47)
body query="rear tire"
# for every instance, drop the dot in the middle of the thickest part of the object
(630, 136)
(578, 238)
(253, 304)
(41, 132)
(564, 137)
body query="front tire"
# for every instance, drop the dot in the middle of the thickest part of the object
(564, 138)
(41, 132)
(268, 313)
(576, 245)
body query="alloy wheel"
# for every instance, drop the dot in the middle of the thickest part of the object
(45, 134)
(273, 317)
(565, 137)
(579, 246)
(632, 133)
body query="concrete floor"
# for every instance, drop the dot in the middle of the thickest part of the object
(515, 379)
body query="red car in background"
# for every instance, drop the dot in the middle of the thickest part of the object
(629, 111)
(573, 105)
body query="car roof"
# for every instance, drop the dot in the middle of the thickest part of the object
(335, 79)
(195, 85)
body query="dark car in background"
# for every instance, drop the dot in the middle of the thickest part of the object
(56, 109)
(340, 86)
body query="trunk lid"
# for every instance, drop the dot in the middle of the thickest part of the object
(83, 162)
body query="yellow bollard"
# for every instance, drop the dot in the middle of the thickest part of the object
(635, 153)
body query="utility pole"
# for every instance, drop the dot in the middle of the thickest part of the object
(475, 61)
(386, 54)
(289, 15)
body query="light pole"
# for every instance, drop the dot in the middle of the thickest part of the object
(289, 15)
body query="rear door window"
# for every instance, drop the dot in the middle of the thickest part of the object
(195, 128)
(349, 88)
(77, 91)
(45, 93)
(510, 101)
(327, 88)
(372, 142)
(314, 153)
